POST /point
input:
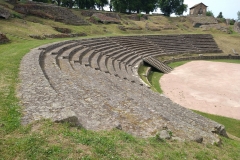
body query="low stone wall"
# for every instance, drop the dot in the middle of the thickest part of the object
(57, 35)
(200, 57)
(63, 30)
(89, 13)
(102, 18)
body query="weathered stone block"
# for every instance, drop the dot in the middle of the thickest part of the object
(3, 38)
(164, 134)
(4, 13)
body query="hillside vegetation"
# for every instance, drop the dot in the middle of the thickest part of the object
(47, 140)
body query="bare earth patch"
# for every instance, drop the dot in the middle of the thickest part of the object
(211, 87)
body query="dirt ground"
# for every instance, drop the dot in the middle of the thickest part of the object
(211, 87)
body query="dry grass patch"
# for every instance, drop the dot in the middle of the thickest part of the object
(228, 42)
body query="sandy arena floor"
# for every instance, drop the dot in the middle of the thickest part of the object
(211, 87)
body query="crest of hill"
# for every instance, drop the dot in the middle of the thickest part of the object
(48, 11)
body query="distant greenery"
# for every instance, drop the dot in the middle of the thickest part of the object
(232, 21)
(172, 6)
(220, 15)
(227, 60)
(134, 5)
(209, 13)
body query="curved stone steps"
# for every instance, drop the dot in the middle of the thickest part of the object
(116, 65)
(131, 77)
(66, 53)
(86, 59)
(76, 55)
(125, 73)
(132, 61)
(103, 64)
(95, 91)
(105, 47)
(117, 53)
(77, 98)
(120, 56)
(110, 50)
(104, 101)
(71, 54)
(81, 54)
(93, 41)
(56, 50)
(95, 61)
(110, 67)
(49, 47)
(53, 52)
(63, 50)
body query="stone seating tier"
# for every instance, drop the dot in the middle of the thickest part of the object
(99, 100)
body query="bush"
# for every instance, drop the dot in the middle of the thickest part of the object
(232, 21)
(209, 13)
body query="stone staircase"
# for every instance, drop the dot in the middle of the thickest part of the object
(157, 64)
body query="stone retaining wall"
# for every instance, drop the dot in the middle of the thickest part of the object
(201, 57)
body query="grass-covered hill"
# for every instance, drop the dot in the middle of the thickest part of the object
(47, 140)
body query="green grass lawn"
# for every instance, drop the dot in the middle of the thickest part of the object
(154, 78)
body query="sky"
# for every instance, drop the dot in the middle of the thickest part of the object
(229, 8)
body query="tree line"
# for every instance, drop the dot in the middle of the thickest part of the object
(125, 6)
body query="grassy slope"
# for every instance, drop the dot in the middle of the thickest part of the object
(47, 140)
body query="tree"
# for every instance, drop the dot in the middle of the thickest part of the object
(119, 5)
(44, 1)
(148, 5)
(238, 14)
(209, 13)
(134, 5)
(172, 6)
(68, 3)
(101, 3)
(86, 4)
(181, 9)
(220, 15)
